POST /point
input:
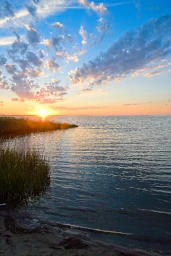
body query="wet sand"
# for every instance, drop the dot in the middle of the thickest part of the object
(17, 239)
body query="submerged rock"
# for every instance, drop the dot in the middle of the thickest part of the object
(73, 243)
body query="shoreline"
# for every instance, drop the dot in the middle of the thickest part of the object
(44, 239)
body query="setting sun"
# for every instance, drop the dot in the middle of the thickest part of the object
(85, 117)
(43, 112)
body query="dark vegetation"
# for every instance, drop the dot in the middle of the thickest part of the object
(14, 126)
(23, 175)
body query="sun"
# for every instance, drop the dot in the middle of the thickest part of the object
(43, 113)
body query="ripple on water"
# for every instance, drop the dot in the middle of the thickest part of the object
(111, 174)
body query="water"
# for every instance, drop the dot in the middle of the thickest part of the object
(111, 174)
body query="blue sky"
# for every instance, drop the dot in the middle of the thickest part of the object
(85, 57)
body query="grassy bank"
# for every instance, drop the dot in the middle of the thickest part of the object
(10, 125)
(22, 175)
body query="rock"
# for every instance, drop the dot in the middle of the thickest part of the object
(2, 226)
(11, 225)
(73, 243)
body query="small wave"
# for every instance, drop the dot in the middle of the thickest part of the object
(155, 211)
(108, 232)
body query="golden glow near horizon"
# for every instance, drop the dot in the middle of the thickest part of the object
(59, 73)
(43, 112)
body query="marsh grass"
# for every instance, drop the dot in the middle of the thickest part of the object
(26, 174)
(22, 175)
(13, 126)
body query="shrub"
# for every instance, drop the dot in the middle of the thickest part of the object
(22, 175)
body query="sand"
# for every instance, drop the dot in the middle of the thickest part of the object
(22, 240)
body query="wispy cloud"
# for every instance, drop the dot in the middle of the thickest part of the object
(117, 4)
(83, 34)
(8, 40)
(78, 108)
(43, 8)
(40, 9)
(137, 5)
(65, 55)
(133, 51)
(153, 74)
(98, 8)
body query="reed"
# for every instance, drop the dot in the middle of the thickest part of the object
(10, 125)
(22, 175)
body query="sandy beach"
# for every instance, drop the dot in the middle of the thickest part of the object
(24, 240)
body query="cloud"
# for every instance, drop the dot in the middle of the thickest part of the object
(137, 5)
(32, 9)
(58, 26)
(15, 99)
(91, 91)
(78, 108)
(87, 90)
(56, 41)
(55, 81)
(6, 9)
(8, 40)
(34, 73)
(18, 76)
(17, 47)
(34, 59)
(39, 9)
(41, 53)
(23, 89)
(131, 104)
(15, 33)
(117, 4)
(3, 60)
(4, 85)
(47, 42)
(103, 28)
(10, 68)
(46, 8)
(47, 100)
(133, 51)
(32, 35)
(152, 74)
(67, 56)
(23, 63)
(18, 19)
(59, 41)
(56, 90)
(83, 34)
(50, 94)
(99, 9)
(27, 90)
(51, 64)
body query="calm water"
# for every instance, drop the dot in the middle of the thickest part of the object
(112, 174)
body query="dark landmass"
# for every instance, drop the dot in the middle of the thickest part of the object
(16, 126)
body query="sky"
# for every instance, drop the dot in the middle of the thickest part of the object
(81, 57)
